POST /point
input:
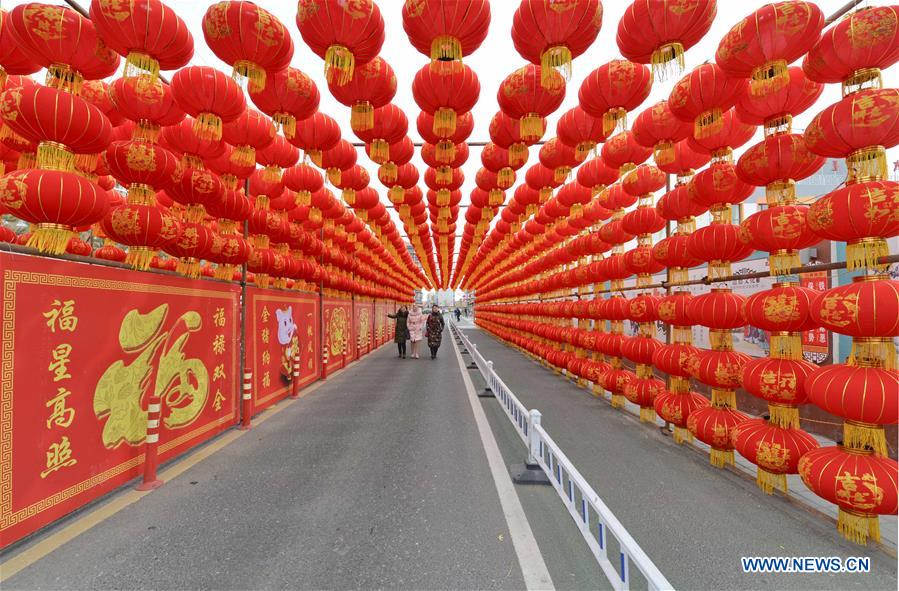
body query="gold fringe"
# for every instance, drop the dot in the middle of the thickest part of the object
(444, 122)
(505, 178)
(349, 195)
(446, 48)
(495, 198)
(50, 238)
(781, 192)
(667, 61)
(721, 340)
(560, 174)
(261, 279)
(140, 65)
(724, 398)
(866, 253)
(251, 73)
(546, 194)
(65, 78)
(614, 120)
(663, 152)
(708, 123)
(304, 198)
(443, 175)
(530, 127)
(55, 156)
(862, 79)
(618, 401)
(582, 150)
(682, 435)
(272, 174)
(518, 154)
(783, 262)
(768, 78)
(721, 457)
(644, 372)
(864, 435)
(873, 352)
(139, 257)
(334, 176)
(783, 416)
(362, 116)
(778, 125)
(647, 414)
(388, 172)
(244, 155)
(686, 226)
(208, 126)
(339, 65)
(556, 58)
(867, 164)
(396, 194)
(287, 123)
(379, 151)
(857, 527)
(145, 130)
(768, 481)
(315, 156)
(786, 345)
(445, 151)
(225, 272)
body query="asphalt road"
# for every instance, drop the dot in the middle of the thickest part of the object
(694, 521)
(375, 480)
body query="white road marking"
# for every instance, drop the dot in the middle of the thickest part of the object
(533, 568)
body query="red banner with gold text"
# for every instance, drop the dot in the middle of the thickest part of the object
(83, 349)
(337, 315)
(280, 324)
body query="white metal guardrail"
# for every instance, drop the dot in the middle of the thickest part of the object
(596, 522)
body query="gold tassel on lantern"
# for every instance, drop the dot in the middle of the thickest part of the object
(141, 65)
(866, 253)
(349, 195)
(55, 156)
(682, 435)
(388, 172)
(647, 414)
(663, 152)
(724, 398)
(857, 435)
(518, 154)
(243, 155)
(530, 127)
(444, 175)
(708, 123)
(65, 78)
(446, 48)
(782, 262)
(253, 74)
(768, 481)
(139, 257)
(862, 79)
(721, 457)
(555, 58)
(339, 65)
(50, 238)
(396, 194)
(873, 352)
(783, 416)
(444, 122)
(379, 151)
(560, 174)
(445, 151)
(303, 198)
(495, 197)
(362, 116)
(287, 123)
(867, 164)
(667, 60)
(146, 130)
(334, 176)
(208, 126)
(618, 401)
(768, 78)
(188, 267)
(582, 150)
(271, 174)
(505, 178)
(614, 120)
(315, 156)
(786, 345)
(443, 198)
(857, 527)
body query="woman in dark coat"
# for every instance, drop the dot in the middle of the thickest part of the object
(401, 335)
(434, 330)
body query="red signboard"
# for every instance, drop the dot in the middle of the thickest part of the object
(83, 348)
(337, 320)
(815, 342)
(281, 324)
(363, 310)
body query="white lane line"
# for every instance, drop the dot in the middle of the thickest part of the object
(533, 568)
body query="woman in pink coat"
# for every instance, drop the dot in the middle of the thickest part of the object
(416, 324)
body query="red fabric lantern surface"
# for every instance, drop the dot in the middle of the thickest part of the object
(425, 125)
(719, 244)
(702, 96)
(659, 32)
(551, 35)
(777, 162)
(505, 132)
(859, 128)
(714, 426)
(677, 206)
(867, 308)
(210, 96)
(762, 45)
(137, 162)
(643, 180)
(304, 180)
(446, 30)
(389, 125)
(657, 128)
(352, 180)
(344, 34)
(861, 484)
(719, 142)
(782, 231)
(144, 228)
(856, 48)
(581, 131)
(277, 156)
(150, 105)
(289, 96)
(720, 369)
(775, 109)
(55, 201)
(445, 89)
(672, 252)
(43, 114)
(622, 151)
(63, 41)
(248, 38)
(522, 96)
(341, 157)
(596, 175)
(147, 32)
(775, 450)
(613, 89)
(434, 157)
(718, 185)
(861, 214)
(677, 359)
(13, 60)
(373, 86)
(315, 135)
(785, 308)
(181, 138)
(676, 408)
(778, 382)
(96, 92)
(720, 309)
(558, 157)
(250, 132)
(685, 160)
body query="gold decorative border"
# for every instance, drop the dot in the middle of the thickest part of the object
(11, 279)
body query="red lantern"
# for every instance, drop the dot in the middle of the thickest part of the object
(785, 312)
(315, 135)
(341, 157)
(657, 128)
(522, 96)
(702, 96)
(658, 33)
(505, 132)
(344, 34)
(676, 408)
(444, 90)
(210, 96)
(596, 175)
(719, 141)
(150, 106)
(147, 32)
(613, 89)
(558, 157)
(289, 96)
(775, 450)
(373, 86)
(776, 163)
(248, 38)
(13, 60)
(389, 125)
(446, 31)
(862, 485)
(782, 231)
(250, 132)
(776, 108)
(581, 131)
(714, 426)
(623, 152)
(551, 35)
(762, 45)
(144, 227)
(685, 160)
(277, 156)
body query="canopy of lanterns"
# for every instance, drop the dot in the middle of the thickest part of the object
(221, 172)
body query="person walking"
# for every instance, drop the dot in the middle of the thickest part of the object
(401, 334)
(458, 313)
(416, 324)
(434, 326)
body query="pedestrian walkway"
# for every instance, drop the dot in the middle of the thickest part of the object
(694, 521)
(376, 479)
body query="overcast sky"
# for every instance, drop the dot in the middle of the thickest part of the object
(495, 59)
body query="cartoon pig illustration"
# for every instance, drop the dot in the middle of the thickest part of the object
(290, 342)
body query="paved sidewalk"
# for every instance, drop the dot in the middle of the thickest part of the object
(694, 521)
